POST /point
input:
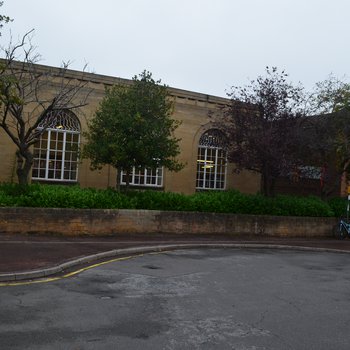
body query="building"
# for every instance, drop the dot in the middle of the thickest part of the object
(56, 157)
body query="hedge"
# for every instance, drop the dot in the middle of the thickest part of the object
(58, 196)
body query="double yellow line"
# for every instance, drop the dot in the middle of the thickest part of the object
(70, 274)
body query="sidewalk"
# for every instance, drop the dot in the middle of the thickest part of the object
(21, 253)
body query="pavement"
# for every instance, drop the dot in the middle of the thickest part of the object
(194, 299)
(24, 257)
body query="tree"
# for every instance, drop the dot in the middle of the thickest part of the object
(261, 124)
(328, 130)
(3, 19)
(330, 95)
(133, 127)
(28, 95)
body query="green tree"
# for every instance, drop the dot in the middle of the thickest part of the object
(3, 19)
(330, 95)
(133, 127)
(328, 131)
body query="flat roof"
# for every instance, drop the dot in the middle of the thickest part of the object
(110, 80)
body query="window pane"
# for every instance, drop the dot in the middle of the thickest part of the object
(51, 168)
(211, 161)
(75, 138)
(144, 177)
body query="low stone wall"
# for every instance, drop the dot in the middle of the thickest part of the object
(72, 222)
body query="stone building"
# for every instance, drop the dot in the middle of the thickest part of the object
(56, 153)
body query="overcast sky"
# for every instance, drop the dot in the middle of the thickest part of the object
(200, 45)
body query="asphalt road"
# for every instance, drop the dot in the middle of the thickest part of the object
(189, 299)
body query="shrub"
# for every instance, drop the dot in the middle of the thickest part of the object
(154, 200)
(338, 206)
(236, 202)
(59, 196)
(301, 206)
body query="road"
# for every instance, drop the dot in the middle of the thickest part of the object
(187, 299)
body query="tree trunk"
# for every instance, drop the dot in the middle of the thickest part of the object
(118, 179)
(127, 182)
(267, 183)
(24, 164)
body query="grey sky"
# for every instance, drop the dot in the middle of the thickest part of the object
(200, 45)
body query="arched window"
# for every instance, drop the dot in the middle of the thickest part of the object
(211, 161)
(56, 152)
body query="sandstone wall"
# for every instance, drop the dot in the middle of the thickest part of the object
(71, 222)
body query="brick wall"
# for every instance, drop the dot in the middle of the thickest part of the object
(71, 222)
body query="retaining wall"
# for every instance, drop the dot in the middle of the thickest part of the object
(72, 222)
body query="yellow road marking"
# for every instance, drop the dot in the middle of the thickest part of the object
(70, 274)
(73, 273)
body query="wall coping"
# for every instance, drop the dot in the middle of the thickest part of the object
(111, 80)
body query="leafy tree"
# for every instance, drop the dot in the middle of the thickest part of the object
(330, 95)
(328, 131)
(261, 124)
(133, 127)
(3, 19)
(28, 94)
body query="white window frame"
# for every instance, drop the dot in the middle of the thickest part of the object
(55, 124)
(310, 172)
(211, 142)
(143, 173)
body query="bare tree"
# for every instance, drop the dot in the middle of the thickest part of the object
(29, 93)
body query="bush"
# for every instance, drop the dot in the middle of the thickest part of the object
(154, 200)
(301, 206)
(338, 206)
(236, 202)
(58, 196)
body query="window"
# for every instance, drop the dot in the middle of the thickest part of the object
(56, 152)
(211, 161)
(310, 172)
(144, 177)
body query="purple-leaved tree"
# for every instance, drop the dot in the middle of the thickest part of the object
(261, 124)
